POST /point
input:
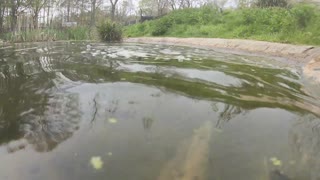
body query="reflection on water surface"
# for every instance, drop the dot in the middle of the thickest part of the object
(134, 111)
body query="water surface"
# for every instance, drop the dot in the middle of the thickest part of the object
(153, 112)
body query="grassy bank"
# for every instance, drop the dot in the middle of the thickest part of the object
(298, 25)
(75, 33)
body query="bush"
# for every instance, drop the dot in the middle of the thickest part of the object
(110, 31)
(298, 24)
(303, 14)
(161, 26)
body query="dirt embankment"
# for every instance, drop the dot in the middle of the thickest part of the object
(308, 55)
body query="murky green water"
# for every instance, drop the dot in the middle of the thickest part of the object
(152, 112)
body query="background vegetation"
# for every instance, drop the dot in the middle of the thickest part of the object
(269, 20)
(49, 20)
(73, 33)
(109, 31)
(299, 24)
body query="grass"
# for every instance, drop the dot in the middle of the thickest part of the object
(299, 24)
(75, 33)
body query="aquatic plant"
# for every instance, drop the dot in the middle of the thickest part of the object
(109, 31)
(75, 33)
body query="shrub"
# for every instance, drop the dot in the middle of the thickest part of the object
(161, 26)
(109, 31)
(303, 14)
(298, 24)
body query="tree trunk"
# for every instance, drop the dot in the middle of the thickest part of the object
(48, 15)
(113, 12)
(173, 5)
(1, 16)
(35, 20)
(113, 9)
(13, 15)
(68, 11)
(159, 10)
(93, 13)
(13, 21)
(1, 20)
(82, 13)
(1, 24)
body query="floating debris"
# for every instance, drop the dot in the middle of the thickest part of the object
(275, 161)
(112, 120)
(109, 153)
(96, 162)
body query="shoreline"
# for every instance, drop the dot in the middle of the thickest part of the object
(305, 55)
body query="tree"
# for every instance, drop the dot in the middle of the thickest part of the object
(162, 5)
(2, 11)
(146, 7)
(51, 5)
(271, 3)
(95, 4)
(14, 5)
(93, 12)
(113, 8)
(125, 10)
(175, 4)
(154, 7)
(186, 3)
(67, 6)
(36, 6)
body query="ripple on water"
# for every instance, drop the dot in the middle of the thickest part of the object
(178, 112)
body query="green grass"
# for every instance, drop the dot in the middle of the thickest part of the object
(299, 24)
(75, 33)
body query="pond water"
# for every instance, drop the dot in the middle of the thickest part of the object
(84, 110)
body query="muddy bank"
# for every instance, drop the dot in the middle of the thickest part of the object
(308, 56)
